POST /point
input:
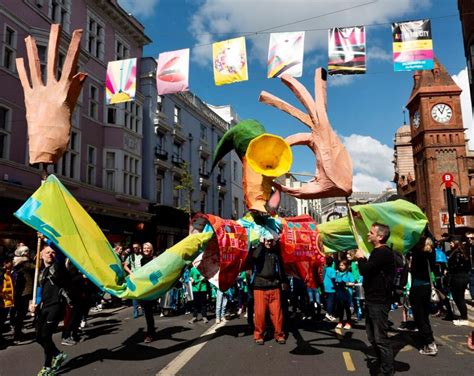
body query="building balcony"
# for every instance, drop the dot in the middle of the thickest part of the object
(221, 180)
(204, 174)
(162, 125)
(161, 153)
(177, 160)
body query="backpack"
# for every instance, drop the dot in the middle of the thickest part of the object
(400, 273)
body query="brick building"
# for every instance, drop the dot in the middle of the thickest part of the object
(439, 147)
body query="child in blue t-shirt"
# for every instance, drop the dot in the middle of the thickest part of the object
(344, 283)
(329, 276)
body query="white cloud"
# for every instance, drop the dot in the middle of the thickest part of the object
(372, 163)
(143, 8)
(230, 16)
(378, 53)
(340, 80)
(462, 80)
(367, 183)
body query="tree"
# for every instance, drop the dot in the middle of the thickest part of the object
(186, 185)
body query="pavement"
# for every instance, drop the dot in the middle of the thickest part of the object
(113, 345)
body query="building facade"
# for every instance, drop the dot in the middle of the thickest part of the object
(466, 10)
(103, 164)
(439, 146)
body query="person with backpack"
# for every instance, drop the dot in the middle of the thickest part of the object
(377, 272)
(132, 263)
(267, 282)
(422, 263)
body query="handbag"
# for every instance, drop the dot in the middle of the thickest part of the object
(435, 295)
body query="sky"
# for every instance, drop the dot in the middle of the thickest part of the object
(364, 110)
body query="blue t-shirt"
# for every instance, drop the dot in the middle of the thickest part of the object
(344, 292)
(328, 280)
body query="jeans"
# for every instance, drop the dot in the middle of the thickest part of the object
(221, 303)
(376, 326)
(458, 285)
(330, 302)
(420, 304)
(471, 283)
(136, 305)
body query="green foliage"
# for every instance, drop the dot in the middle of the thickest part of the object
(187, 187)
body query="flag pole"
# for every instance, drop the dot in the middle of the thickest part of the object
(352, 224)
(44, 176)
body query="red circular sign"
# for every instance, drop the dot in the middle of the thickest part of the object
(448, 178)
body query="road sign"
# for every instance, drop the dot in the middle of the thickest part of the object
(448, 179)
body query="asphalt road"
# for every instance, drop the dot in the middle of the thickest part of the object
(113, 345)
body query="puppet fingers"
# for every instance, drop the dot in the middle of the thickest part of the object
(20, 67)
(53, 46)
(70, 64)
(75, 89)
(33, 61)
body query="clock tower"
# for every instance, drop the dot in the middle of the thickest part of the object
(439, 147)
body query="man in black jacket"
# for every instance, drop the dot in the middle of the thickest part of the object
(377, 274)
(267, 282)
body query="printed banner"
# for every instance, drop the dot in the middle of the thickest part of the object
(346, 50)
(172, 73)
(230, 61)
(121, 81)
(285, 54)
(412, 46)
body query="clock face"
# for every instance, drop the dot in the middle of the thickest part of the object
(441, 113)
(416, 120)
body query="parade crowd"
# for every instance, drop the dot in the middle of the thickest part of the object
(430, 280)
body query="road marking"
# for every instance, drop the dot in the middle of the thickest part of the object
(339, 333)
(173, 367)
(445, 343)
(348, 360)
(407, 348)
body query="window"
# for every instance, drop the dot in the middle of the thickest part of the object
(235, 208)
(159, 187)
(93, 102)
(68, 165)
(133, 117)
(131, 175)
(95, 36)
(177, 157)
(176, 193)
(235, 172)
(9, 48)
(203, 133)
(110, 170)
(111, 115)
(91, 164)
(60, 12)
(177, 115)
(122, 51)
(203, 200)
(221, 206)
(159, 103)
(203, 166)
(5, 120)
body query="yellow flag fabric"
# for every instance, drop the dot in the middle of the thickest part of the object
(230, 61)
(55, 213)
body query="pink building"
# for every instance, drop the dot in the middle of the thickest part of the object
(103, 165)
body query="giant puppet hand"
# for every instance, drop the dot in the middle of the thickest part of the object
(49, 106)
(333, 175)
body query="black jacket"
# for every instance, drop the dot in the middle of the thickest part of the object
(268, 270)
(55, 286)
(378, 275)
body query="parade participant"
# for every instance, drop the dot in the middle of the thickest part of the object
(458, 269)
(148, 304)
(267, 283)
(377, 273)
(49, 312)
(470, 248)
(422, 263)
(23, 276)
(132, 263)
(6, 293)
(329, 276)
(344, 284)
(221, 304)
(199, 285)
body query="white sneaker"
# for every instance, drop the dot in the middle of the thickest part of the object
(218, 321)
(461, 322)
(239, 312)
(83, 324)
(430, 349)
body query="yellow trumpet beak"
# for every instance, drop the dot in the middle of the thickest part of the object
(269, 155)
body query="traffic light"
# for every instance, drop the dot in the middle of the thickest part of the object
(464, 205)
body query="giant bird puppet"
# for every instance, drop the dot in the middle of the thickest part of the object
(223, 245)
